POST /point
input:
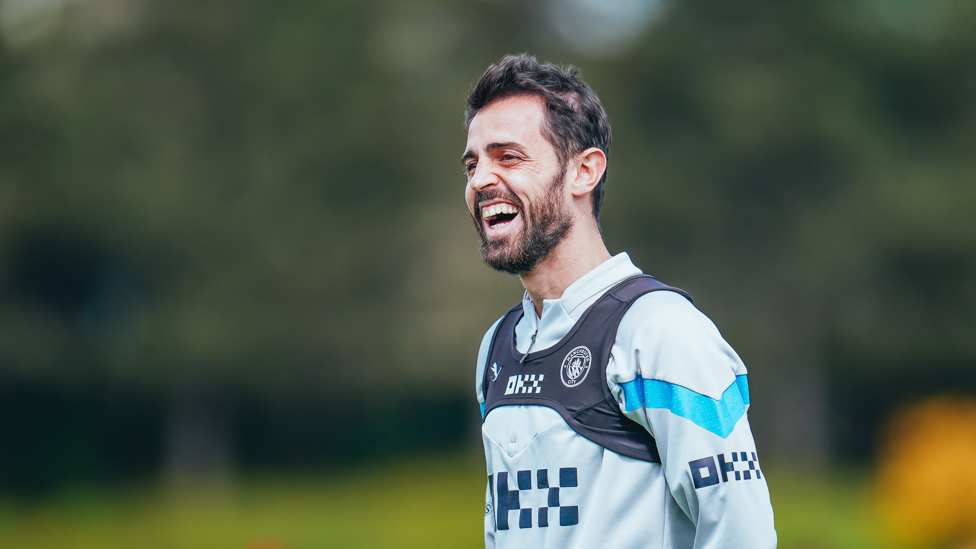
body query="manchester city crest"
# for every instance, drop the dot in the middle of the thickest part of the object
(575, 366)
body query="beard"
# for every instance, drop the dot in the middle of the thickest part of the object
(543, 229)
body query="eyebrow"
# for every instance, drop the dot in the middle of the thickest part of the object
(494, 147)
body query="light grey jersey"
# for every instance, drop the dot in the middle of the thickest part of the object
(670, 371)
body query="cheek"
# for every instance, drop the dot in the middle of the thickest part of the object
(469, 198)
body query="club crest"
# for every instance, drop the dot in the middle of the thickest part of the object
(575, 366)
(495, 369)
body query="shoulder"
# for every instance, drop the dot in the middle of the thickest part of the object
(664, 337)
(667, 314)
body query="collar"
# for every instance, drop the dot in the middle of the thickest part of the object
(580, 294)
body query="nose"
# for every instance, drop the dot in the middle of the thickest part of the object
(484, 176)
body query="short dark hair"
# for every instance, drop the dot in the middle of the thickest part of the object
(574, 117)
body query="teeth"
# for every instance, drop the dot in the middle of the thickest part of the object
(495, 209)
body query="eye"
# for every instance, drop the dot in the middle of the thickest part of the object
(469, 168)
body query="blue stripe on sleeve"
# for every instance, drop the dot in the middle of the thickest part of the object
(743, 383)
(716, 416)
(482, 410)
(633, 394)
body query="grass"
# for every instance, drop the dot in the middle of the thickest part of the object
(430, 503)
(824, 509)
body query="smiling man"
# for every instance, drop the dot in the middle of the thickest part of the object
(614, 414)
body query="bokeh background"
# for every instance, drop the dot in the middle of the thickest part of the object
(240, 298)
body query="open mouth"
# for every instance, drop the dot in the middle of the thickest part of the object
(499, 215)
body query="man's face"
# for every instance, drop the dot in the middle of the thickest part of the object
(515, 190)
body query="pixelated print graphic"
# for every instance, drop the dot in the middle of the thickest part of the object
(703, 472)
(567, 477)
(753, 465)
(507, 499)
(738, 466)
(510, 386)
(568, 516)
(553, 497)
(524, 384)
(727, 467)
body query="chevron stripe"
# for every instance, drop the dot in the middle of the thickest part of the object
(716, 416)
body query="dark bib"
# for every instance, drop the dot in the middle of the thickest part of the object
(571, 376)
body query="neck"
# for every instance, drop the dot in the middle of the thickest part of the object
(579, 253)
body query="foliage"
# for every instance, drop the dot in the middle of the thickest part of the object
(265, 197)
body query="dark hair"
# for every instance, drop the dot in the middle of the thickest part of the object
(574, 118)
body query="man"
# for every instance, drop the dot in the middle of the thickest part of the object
(613, 411)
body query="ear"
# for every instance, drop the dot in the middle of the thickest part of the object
(590, 166)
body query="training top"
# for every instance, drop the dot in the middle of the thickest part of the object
(669, 371)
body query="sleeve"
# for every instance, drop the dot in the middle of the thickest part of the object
(489, 520)
(479, 377)
(672, 372)
(479, 394)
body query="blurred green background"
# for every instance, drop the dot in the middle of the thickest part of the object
(240, 298)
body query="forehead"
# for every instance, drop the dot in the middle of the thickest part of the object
(516, 119)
